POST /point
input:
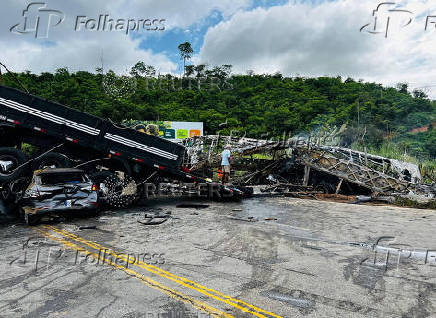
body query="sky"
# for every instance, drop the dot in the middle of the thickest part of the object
(307, 38)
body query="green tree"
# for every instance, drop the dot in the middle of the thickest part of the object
(185, 50)
(189, 69)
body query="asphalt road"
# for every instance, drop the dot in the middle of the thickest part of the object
(270, 257)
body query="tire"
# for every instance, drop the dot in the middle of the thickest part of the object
(51, 159)
(115, 197)
(18, 158)
(31, 219)
(98, 178)
(113, 186)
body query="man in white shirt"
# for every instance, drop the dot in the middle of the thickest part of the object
(225, 163)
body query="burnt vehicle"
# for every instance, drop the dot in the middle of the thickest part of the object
(54, 191)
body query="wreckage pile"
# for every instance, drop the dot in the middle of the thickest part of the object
(302, 165)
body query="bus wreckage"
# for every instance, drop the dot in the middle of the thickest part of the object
(299, 164)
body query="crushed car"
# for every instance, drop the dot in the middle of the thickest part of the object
(56, 191)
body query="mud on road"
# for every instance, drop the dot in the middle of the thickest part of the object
(263, 257)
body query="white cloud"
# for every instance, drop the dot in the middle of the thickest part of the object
(83, 50)
(311, 39)
(324, 39)
(181, 13)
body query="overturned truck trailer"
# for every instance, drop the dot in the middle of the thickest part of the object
(65, 137)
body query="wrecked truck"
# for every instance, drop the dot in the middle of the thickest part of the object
(62, 137)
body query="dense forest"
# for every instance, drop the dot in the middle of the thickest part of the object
(256, 105)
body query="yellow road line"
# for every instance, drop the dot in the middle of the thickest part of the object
(180, 280)
(146, 280)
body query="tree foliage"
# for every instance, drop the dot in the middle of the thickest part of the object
(253, 104)
(185, 50)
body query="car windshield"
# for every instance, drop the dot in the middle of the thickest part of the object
(64, 178)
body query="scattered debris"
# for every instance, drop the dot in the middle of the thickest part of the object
(270, 219)
(90, 227)
(156, 219)
(286, 187)
(306, 168)
(153, 221)
(249, 219)
(192, 206)
(302, 303)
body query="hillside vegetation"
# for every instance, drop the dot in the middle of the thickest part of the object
(377, 117)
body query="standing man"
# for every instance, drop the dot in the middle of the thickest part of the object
(225, 163)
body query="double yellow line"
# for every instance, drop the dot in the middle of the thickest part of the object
(213, 294)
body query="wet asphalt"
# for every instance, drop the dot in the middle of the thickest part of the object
(261, 257)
